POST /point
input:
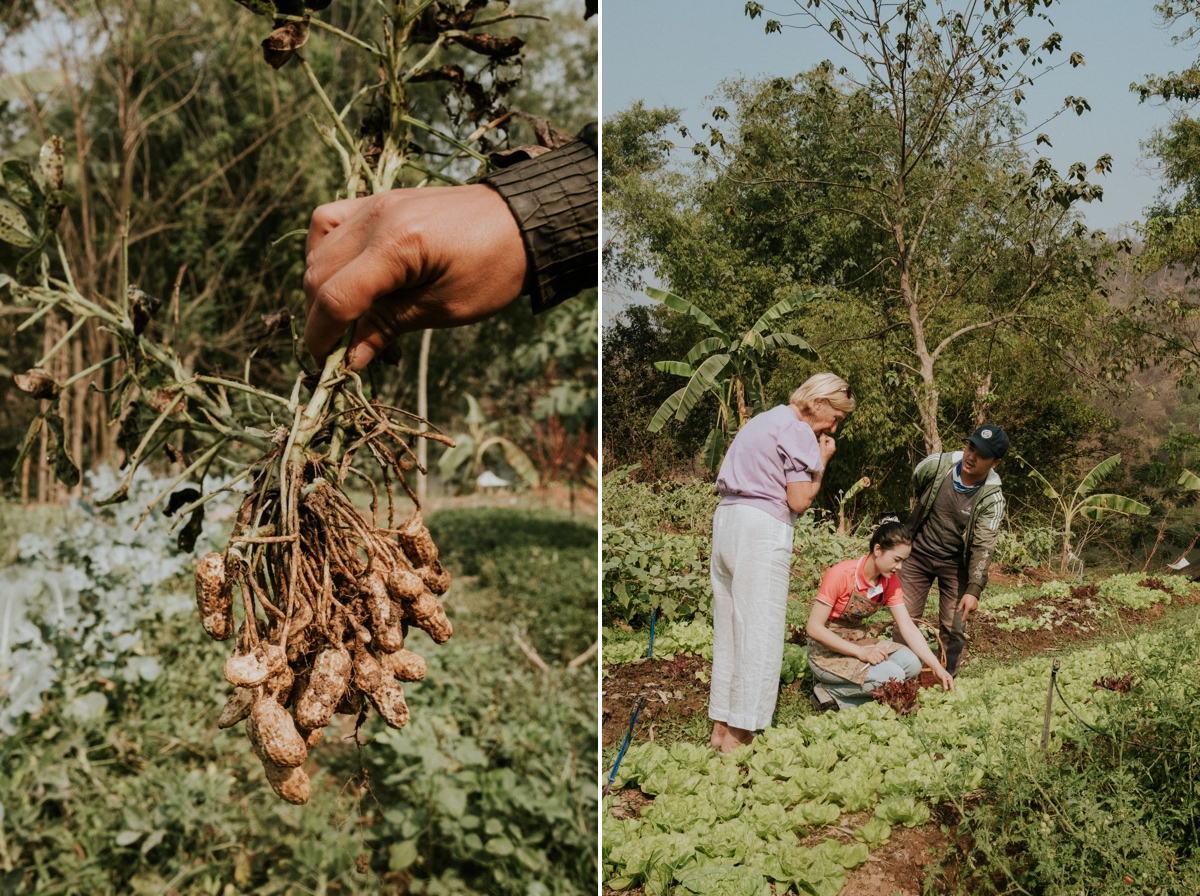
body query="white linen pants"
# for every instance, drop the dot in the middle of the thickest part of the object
(751, 564)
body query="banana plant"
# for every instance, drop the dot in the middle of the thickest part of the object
(1189, 481)
(1082, 503)
(468, 455)
(845, 497)
(727, 365)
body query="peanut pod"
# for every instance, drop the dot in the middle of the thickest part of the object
(326, 686)
(417, 542)
(252, 668)
(378, 603)
(436, 577)
(427, 613)
(237, 707)
(214, 597)
(383, 690)
(290, 782)
(404, 665)
(273, 734)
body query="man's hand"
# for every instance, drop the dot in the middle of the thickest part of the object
(967, 605)
(407, 260)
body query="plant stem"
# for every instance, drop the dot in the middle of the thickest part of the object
(351, 143)
(474, 153)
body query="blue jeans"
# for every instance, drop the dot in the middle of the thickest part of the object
(902, 664)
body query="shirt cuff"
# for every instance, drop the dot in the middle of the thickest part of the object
(555, 200)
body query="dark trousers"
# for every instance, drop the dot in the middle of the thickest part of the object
(917, 575)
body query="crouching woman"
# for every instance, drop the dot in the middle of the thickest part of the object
(845, 662)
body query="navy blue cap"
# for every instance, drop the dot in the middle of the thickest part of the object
(991, 440)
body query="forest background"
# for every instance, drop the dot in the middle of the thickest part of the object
(182, 141)
(956, 277)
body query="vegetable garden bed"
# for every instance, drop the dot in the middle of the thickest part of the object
(843, 802)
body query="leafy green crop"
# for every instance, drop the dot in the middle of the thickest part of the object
(646, 570)
(711, 814)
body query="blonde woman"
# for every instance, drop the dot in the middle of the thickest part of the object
(770, 476)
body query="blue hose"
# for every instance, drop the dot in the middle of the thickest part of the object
(624, 746)
(653, 616)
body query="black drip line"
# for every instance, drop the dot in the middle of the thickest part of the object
(1112, 737)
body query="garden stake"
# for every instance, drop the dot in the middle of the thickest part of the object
(1049, 704)
(650, 649)
(624, 746)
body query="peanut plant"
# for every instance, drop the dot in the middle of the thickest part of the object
(327, 593)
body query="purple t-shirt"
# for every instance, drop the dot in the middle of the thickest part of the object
(771, 450)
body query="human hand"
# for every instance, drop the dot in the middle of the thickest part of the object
(406, 260)
(873, 654)
(944, 677)
(967, 605)
(826, 445)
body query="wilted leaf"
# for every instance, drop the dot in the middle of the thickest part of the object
(37, 383)
(142, 307)
(186, 541)
(490, 45)
(50, 163)
(180, 498)
(64, 466)
(164, 399)
(281, 43)
(20, 184)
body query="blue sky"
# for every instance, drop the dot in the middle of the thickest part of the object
(677, 52)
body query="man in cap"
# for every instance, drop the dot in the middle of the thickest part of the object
(954, 526)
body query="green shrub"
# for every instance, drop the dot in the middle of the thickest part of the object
(646, 570)
(816, 546)
(465, 536)
(665, 506)
(1112, 813)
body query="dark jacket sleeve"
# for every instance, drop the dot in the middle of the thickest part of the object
(984, 533)
(555, 199)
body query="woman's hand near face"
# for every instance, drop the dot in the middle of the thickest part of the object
(827, 446)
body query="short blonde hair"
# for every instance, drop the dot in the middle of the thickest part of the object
(824, 387)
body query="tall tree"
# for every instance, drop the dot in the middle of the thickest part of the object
(904, 180)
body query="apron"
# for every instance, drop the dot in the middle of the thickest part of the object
(851, 626)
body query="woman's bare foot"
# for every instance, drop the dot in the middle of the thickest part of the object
(726, 738)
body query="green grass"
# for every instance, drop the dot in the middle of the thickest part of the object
(490, 788)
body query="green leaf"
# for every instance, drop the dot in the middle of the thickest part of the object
(714, 449)
(402, 855)
(128, 838)
(14, 229)
(778, 340)
(706, 347)
(520, 462)
(676, 368)
(675, 303)
(500, 846)
(1101, 470)
(779, 309)
(453, 458)
(1189, 480)
(1096, 506)
(667, 409)
(703, 380)
(475, 414)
